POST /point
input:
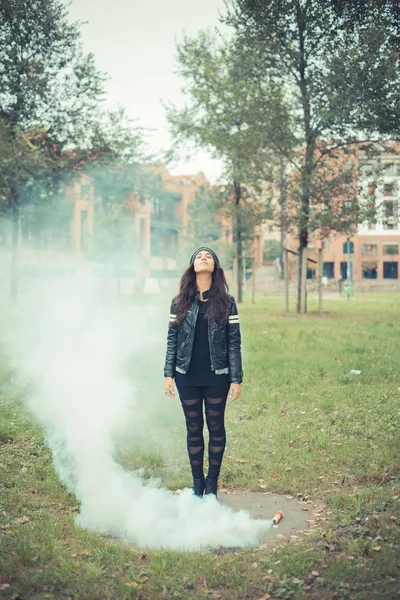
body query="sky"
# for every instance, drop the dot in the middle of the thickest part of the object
(134, 42)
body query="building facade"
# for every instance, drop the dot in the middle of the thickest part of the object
(372, 254)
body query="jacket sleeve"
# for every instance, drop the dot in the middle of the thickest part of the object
(172, 344)
(234, 344)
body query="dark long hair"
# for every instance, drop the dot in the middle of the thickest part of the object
(217, 304)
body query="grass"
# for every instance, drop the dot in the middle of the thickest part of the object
(304, 425)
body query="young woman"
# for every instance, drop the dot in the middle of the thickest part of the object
(204, 357)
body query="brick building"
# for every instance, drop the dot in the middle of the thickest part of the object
(373, 251)
(370, 256)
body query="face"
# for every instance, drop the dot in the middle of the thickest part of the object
(204, 262)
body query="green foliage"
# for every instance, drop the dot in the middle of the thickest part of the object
(272, 250)
(46, 78)
(205, 217)
(53, 129)
(231, 114)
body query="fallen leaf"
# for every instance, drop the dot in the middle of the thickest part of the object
(376, 548)
(74, 555)
(315, 573)
(393, 518)
(86, 553)
(306, 588)
(265, 597)
(23, 519)
(131, 584)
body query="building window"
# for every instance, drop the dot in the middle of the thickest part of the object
(142, 233)
(389, 170)
(391, 270)
(390, 249)
(156, 208)
(390, 215)
(370, 270)
(348, 248)
(84, 231)
(328, 270)
(346, 270)
(388, 189)
(86, 189)
(367, 169)
(311, 273)
(369, 249)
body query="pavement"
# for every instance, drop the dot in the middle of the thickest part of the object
(300, 516)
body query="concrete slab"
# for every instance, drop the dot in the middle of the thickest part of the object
(265, 505)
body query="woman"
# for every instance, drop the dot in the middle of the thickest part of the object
(204, 357)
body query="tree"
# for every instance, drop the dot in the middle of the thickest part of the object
(342, 86)
(113, 164)
(231, 113)
(46, 83)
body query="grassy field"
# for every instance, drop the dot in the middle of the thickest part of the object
(304, 426)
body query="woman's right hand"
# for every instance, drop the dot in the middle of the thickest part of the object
(169, 387)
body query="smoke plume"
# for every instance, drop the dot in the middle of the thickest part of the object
(73, 348)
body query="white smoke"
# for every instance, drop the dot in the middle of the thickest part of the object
(74, 350)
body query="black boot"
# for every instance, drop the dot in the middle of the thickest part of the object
(211, 486)
(198, 486)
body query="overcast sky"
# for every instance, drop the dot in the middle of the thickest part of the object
(134, 42)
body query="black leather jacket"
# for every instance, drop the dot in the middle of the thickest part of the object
(224, 341)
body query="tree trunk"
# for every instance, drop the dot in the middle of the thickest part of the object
(320, 276)
(14, 251)
(282, 202)
(307, 171)
(303, 281)
(239, 242)
(286, 275)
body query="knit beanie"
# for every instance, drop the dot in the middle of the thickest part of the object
(205, 249)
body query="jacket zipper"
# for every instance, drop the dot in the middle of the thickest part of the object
(209, 345)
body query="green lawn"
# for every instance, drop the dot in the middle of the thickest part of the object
(304, 425)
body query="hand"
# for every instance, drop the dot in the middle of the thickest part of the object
(169, 387)
(234, 392)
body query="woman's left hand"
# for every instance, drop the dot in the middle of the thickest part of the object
(234, 392)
